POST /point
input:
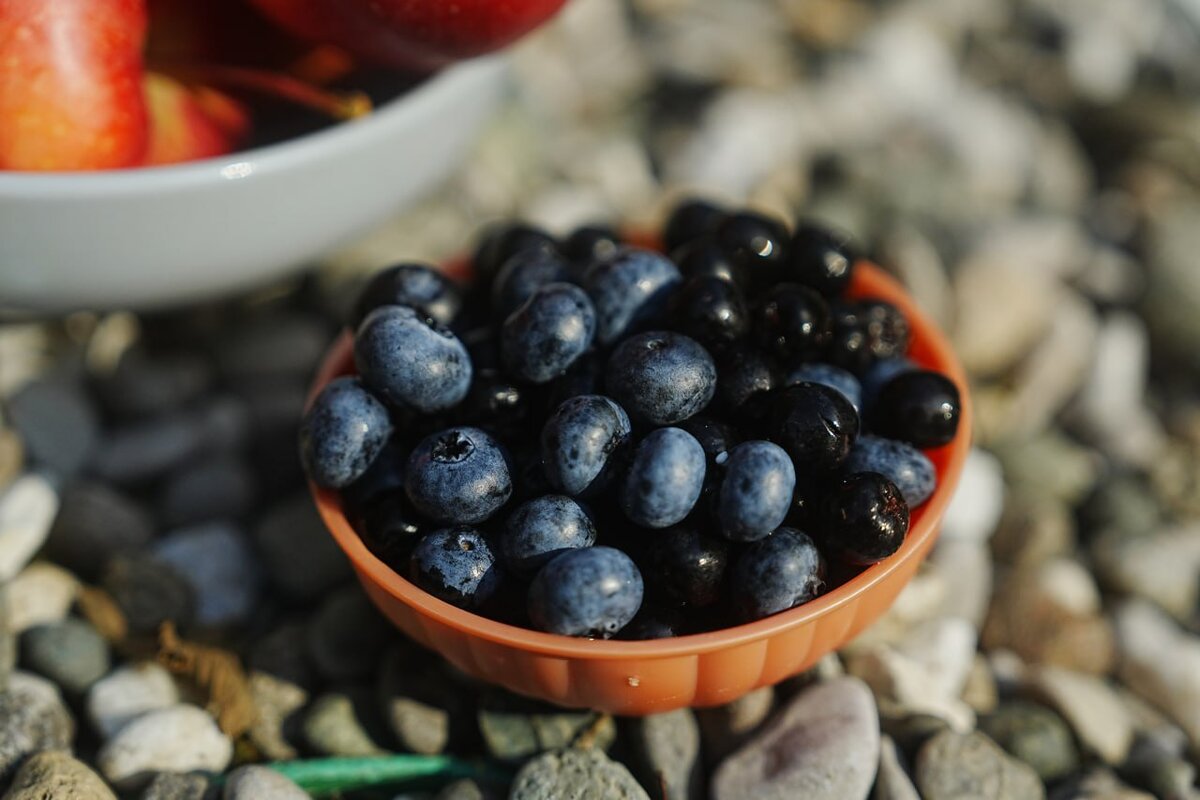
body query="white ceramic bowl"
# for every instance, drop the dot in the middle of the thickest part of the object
(159, 236)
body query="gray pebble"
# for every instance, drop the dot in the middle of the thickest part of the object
(666, 749)
(178, 786)
(514, 728)
(218, 487)
(218, 562)
(1159, 771)
(465, 789)
(575, 775)
(334, 726)
(149, 592)
(1036, 735)
(33, 718)
(8, 640)
(142, 385)
(276, 345)
(283, 654)
(347, 635)
(57, 423)
(952, 766)
(94, 523)
(71, 653)
(52, 775)
(301, 557)
(912, 731)
(12, 456)
(426, 711)
(254, 782)
(725, 728)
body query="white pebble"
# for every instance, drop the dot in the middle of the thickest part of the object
(1094, 711)
(1160, 662)
(27, 511)
(41, 594)
(974, 512)
(128, 693)
(180, 738)
(255, 782)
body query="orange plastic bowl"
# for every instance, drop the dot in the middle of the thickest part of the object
(646, 677)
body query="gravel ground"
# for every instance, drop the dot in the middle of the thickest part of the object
(1031, 170)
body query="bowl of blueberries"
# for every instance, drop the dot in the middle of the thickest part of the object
(637, 474)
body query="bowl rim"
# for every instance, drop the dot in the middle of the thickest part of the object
(869, 281)
(276, 157)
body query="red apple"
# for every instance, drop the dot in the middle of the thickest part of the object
(71, 84)
(421, 34)
(188, 122)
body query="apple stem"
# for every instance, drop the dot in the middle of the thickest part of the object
(339, 105)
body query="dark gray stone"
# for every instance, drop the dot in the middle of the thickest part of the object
(71, 653)
(56, 422)
(94, 523)
(275, 345)
(179, 786)
(514, 728)
(1036, 735)
(32, 719)
(301, 557)
(666, 750)
(218, 487)
(575, 775)
(348, 635)
(283, 653)
(725, 728)
(222, 568)
(149, 592)
(143, 385)
(1164, 774)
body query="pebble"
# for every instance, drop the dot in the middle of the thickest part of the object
(1161, 663)
(1159, 771)
(33, 718)
(892, 781)
(979, 690)
(1162, 567)
(27, 510)
(218, 487)
(953, 765)
(575, 775)
(1035, 735)
(94, 523)
(464, 789)
(51, 775)
(332, 727)
(514, 729)
(347, 635)
(71, 653)
(978, 501)
(179, 738)
(253, 782)
(823, 744)
(276, 706)
(271, 346)
(144, 385)
(283, 654)
(666, 748)
(425, 709)
(1098, 784)
(1033, 529)
(1051, 464)
(127, 693)
(149, 592)
(57, 424)
(220, 565)
(12, 456)
(1174, 285)
(177, 786)
(300, 556)
(1004, 308)
(40, 595)
(725, 728)
(8, 638)
(965, 572)
(1090, 706)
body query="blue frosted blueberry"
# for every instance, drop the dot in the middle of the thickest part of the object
(458, 476)
(828, 375)
(524, 274)
(414, 285)
(542, 528)
(593, 591)
(456, 565)
(581, 438)
(775, 574)
(900, 462)
(661, 377)
(342, 433)
(630, 290)
(548, 332)
(410, 360)
(756, 491)
(664, 478)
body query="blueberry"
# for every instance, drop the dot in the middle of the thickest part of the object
(458, 476)
(775, 574)
(496, 404)
(746, 377)
(815, 424)
(540, 529)
(592, 591)
(580, 439)
(901, 463)
(664, 479)
(688, 566)
(502, 242)
(792, 322)
(342, 433)
(391, 530)
(411, 360)
(920, 407)
(456, 565)
(585, 376)
(886, 329)
(878, 375)
(690, 220)
(704, 258)
(524, 274)
(661, 377)
(757, 243)
(821, 258)
(653, 622)
(756, 491)
(710, 310)
(828, 375)
(630, 290)
(863, 518)
(548, 332)
(383, 477)
(591, 243)
(715, 437)
(414, 285)
(849, 346)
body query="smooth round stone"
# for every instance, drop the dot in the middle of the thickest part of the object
(33, 718)
(332, 727)
(127, 693)
(275, 702)
(149, 592)
(71, 653)
(901, 463)
(425, 709)
(253, 782)
(179, 738)
(176, 786)
(27, 510)
(952, 766)
(575, 775)
(42, 594)
(56, 423)
(347, 636)
(301, 558)
(94, 523)
(666, 751)
(220, 487)
(1035, 735)
(216, 559)
(726, 728)
(50, 775)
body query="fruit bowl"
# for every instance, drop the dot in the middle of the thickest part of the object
(157, 236)
(645, 677)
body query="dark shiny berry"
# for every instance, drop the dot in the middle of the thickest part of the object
(686, 567)
(717, 438)
(383, 477)
(456, 565)
(582, 443)
(756, 491)
(502, 242)
(415, 285)
(879, 375)
(343, 432)
(711, 311)
(704, 258)
(757, 243)
(863, 518)
(460, 475)
(540, 529)
(745, 379)
(900, 462)
(690, 220)
(886, 328)
(821, 258)
(827, 375)
(654, 622)
(631, 291)
(815, 424)
(391, 530)
(775, 574)
(661, 377)
(585, 376)
(792, 322)
(524, 274)
(664, 479)
(496, 404)
(849, 345)
(591, 243)
(591, 591)
(411, 361)
(548, 332)
(920, 407)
